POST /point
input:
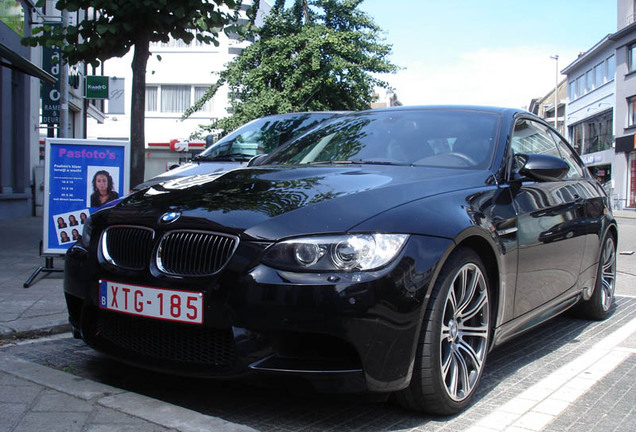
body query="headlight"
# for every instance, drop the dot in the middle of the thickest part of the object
(352, 252)
(86, 232)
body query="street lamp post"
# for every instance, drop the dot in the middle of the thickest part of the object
(556, 92)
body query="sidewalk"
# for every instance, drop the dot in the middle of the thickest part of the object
(36, 397)
(40, 309)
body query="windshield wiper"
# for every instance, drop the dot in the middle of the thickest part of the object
(224, 157)
(353, 162)
(330, 162)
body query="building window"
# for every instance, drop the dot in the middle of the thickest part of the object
(611, 68)
(175, 98)
(599, 75)
(572, 90)
(594, 134)
(631, 58)
(198, 94)
(151, 99)
(179, 43)
(599, 133)
(580, 86)
(631, 111)
(576, 134)
(589, 80)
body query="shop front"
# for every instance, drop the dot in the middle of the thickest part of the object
(600, 165)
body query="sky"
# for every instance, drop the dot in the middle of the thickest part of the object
(485, 52)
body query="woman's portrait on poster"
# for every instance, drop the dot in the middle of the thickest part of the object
(64, 237)
(83, 217)
(72, 220)
(102, 189)
(61, 223)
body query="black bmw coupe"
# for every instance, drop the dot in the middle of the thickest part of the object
(385, 251)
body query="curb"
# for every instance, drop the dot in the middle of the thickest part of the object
(12, 335)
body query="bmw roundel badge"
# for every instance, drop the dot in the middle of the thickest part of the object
(170, 217)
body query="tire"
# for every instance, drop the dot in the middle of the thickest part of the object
(599, 306)
(454, 339)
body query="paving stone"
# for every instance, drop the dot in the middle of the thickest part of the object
(52, 422)
(22, 393)
(11, 414)
(50, 400)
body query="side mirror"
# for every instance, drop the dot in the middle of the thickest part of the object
(541, 167)
(256, 160)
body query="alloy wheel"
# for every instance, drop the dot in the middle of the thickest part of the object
(464, 332)
(608, 273)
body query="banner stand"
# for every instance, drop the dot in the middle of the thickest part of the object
(47, 268)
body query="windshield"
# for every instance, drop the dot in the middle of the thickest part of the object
(262, 135)
(449, 138)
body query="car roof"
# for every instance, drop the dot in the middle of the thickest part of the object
(485, 108)
(304, 113)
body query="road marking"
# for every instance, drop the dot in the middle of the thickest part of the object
(539, 405)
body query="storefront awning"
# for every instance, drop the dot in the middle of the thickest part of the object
(20, 63)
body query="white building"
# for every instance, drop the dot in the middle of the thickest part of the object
(589, 120)
(177, 76)
(601, 110)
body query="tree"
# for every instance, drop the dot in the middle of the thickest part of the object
(118, 26)
(313, 55)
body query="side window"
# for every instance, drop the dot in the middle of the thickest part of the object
(568, 155)
(533, 137)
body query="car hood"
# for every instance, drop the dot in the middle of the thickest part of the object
(190, 169)
(271, 203)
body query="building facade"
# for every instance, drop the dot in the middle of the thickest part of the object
(544, 107)
(20, 77)
(26, 119)
(591, 88)
(625, 113)
(601, 108)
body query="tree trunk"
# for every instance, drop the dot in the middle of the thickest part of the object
(138, 111)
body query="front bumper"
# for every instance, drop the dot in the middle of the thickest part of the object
(344, 333)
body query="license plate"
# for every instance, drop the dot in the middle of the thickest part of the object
(161, 303)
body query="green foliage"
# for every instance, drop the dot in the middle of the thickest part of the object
(115, 26)
(314, 55)
(119, 25)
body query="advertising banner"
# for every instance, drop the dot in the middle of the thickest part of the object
(50, 94)
(116, 100)
(80, 176)
(96, 87)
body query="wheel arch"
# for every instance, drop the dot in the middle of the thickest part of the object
(490, 260)
(485, 247)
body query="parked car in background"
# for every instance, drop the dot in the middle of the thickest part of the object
(385, 251)
(257, 137)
